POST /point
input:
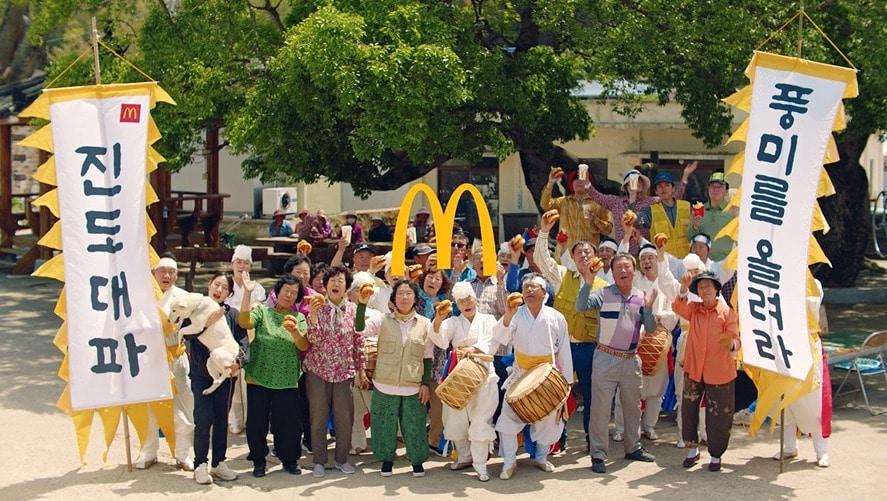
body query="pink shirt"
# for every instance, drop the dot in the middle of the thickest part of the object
(335, 352)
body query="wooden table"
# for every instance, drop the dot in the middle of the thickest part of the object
(193, 255)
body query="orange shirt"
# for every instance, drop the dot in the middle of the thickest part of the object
(706, 359)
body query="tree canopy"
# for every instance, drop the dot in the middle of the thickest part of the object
(377, 93)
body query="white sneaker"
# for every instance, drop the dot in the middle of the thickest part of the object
(680, 444)
(460, 465)
(651, 434)
(356, 451)
(823, 462)
(345, 468)
(785, 455)
(617, 437)
(186, 464)
(201, 474)
(482, 474)
(222, 472)
(508, 472)
(235, 429)
(145, 463)
(547, 467)
(319, 471)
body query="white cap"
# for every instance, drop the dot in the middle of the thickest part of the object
(244, 252)
(693, 262)
(462, 290)
(360, 279)
(166, 262)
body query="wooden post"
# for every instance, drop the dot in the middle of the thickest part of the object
(7, 223)
(782, 441)
(46, 217)
(126, 440)
(213, 205)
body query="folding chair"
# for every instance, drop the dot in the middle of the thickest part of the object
(864, 367)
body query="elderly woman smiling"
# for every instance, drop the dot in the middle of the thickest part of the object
(272, 374)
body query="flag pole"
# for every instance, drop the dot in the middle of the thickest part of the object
(94, 38)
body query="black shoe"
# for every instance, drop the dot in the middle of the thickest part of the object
(418, 470)
(690, 461)
(641, 455)
(259, 470)
(598, 466)
(714, 466)
(387, 466)
(292, 469)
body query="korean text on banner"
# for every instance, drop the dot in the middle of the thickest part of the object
(790, 124)
(115, 348)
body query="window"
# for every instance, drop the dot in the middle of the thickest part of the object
(484, 175)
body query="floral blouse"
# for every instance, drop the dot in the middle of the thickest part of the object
(335, 353)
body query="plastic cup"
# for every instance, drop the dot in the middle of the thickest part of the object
(583, 172)
(587, 210)
(411, 234)
(346, 233)
(633, 183)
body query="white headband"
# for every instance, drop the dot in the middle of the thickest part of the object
(703, 240)
(647, 250)
(608, 245)
(166, 262)
(538, 280)
(361, 278)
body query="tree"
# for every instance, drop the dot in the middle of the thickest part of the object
(377, 93)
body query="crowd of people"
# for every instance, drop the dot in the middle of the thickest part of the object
(629, 300)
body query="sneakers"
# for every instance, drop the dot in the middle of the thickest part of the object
(458, 465)
(547, 467)
(650, 434)
(641, 455)
(259, 470)
(319, 471)
(345, 468)
(387, 466)
(145, 463)
(221, 472)
(292, 469)
(680, 444)
(617, 437)
(786, 455)
(186, 464)
(418, 470)
(436, 450)
(235, 429)
(823, 462)
(507, 472)
(598, 466)
(356, 451)
(201, 475)
(482, 474)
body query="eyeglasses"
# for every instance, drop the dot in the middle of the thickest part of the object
(459, 245)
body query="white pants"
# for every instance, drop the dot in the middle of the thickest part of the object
(805, 413)
(237, 414)
(183, 415)
(363, 402)
(544, 433)
(471, 429)
(652, 390)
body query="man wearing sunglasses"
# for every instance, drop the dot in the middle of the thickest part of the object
(460, 259)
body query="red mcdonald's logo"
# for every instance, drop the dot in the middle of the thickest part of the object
(130, 112)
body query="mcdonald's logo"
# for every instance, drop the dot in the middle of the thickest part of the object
(443, 227)
(130, 113)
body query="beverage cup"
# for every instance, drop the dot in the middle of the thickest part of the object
(346, 233)
(411, 235)
(583, 172)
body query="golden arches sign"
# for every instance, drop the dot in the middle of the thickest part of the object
(443, 227)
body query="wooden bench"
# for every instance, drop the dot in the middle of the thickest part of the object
(193, 255)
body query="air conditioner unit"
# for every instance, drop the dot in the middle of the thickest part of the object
(279, 198)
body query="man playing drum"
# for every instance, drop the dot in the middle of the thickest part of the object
(623, 309)
(470, 332)
(539, 335)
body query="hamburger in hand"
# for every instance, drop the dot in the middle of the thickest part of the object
(660, 239)
(514, 300)
(629, 218)
(551, 216)
(517, 243)
(443, 308)
(304, 247)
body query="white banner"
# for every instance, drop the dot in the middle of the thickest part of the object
(790, 124)
(116, 352)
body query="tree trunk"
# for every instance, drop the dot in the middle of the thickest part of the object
(847, 213)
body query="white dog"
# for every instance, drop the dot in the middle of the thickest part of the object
(223, 349)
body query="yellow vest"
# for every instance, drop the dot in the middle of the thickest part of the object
(399, 363)
(678, 245)
(582, 326)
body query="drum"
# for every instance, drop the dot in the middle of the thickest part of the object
(538, 393)
(462, 383)
(371, 348)
(651, 349)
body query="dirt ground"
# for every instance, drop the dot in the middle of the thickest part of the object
(39, 458)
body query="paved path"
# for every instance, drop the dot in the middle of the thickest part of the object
(39, 458)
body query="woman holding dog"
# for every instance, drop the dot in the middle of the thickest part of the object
(272, 374)
(211, 411)
(402, 377)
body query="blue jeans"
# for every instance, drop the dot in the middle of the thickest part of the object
(583, 354)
